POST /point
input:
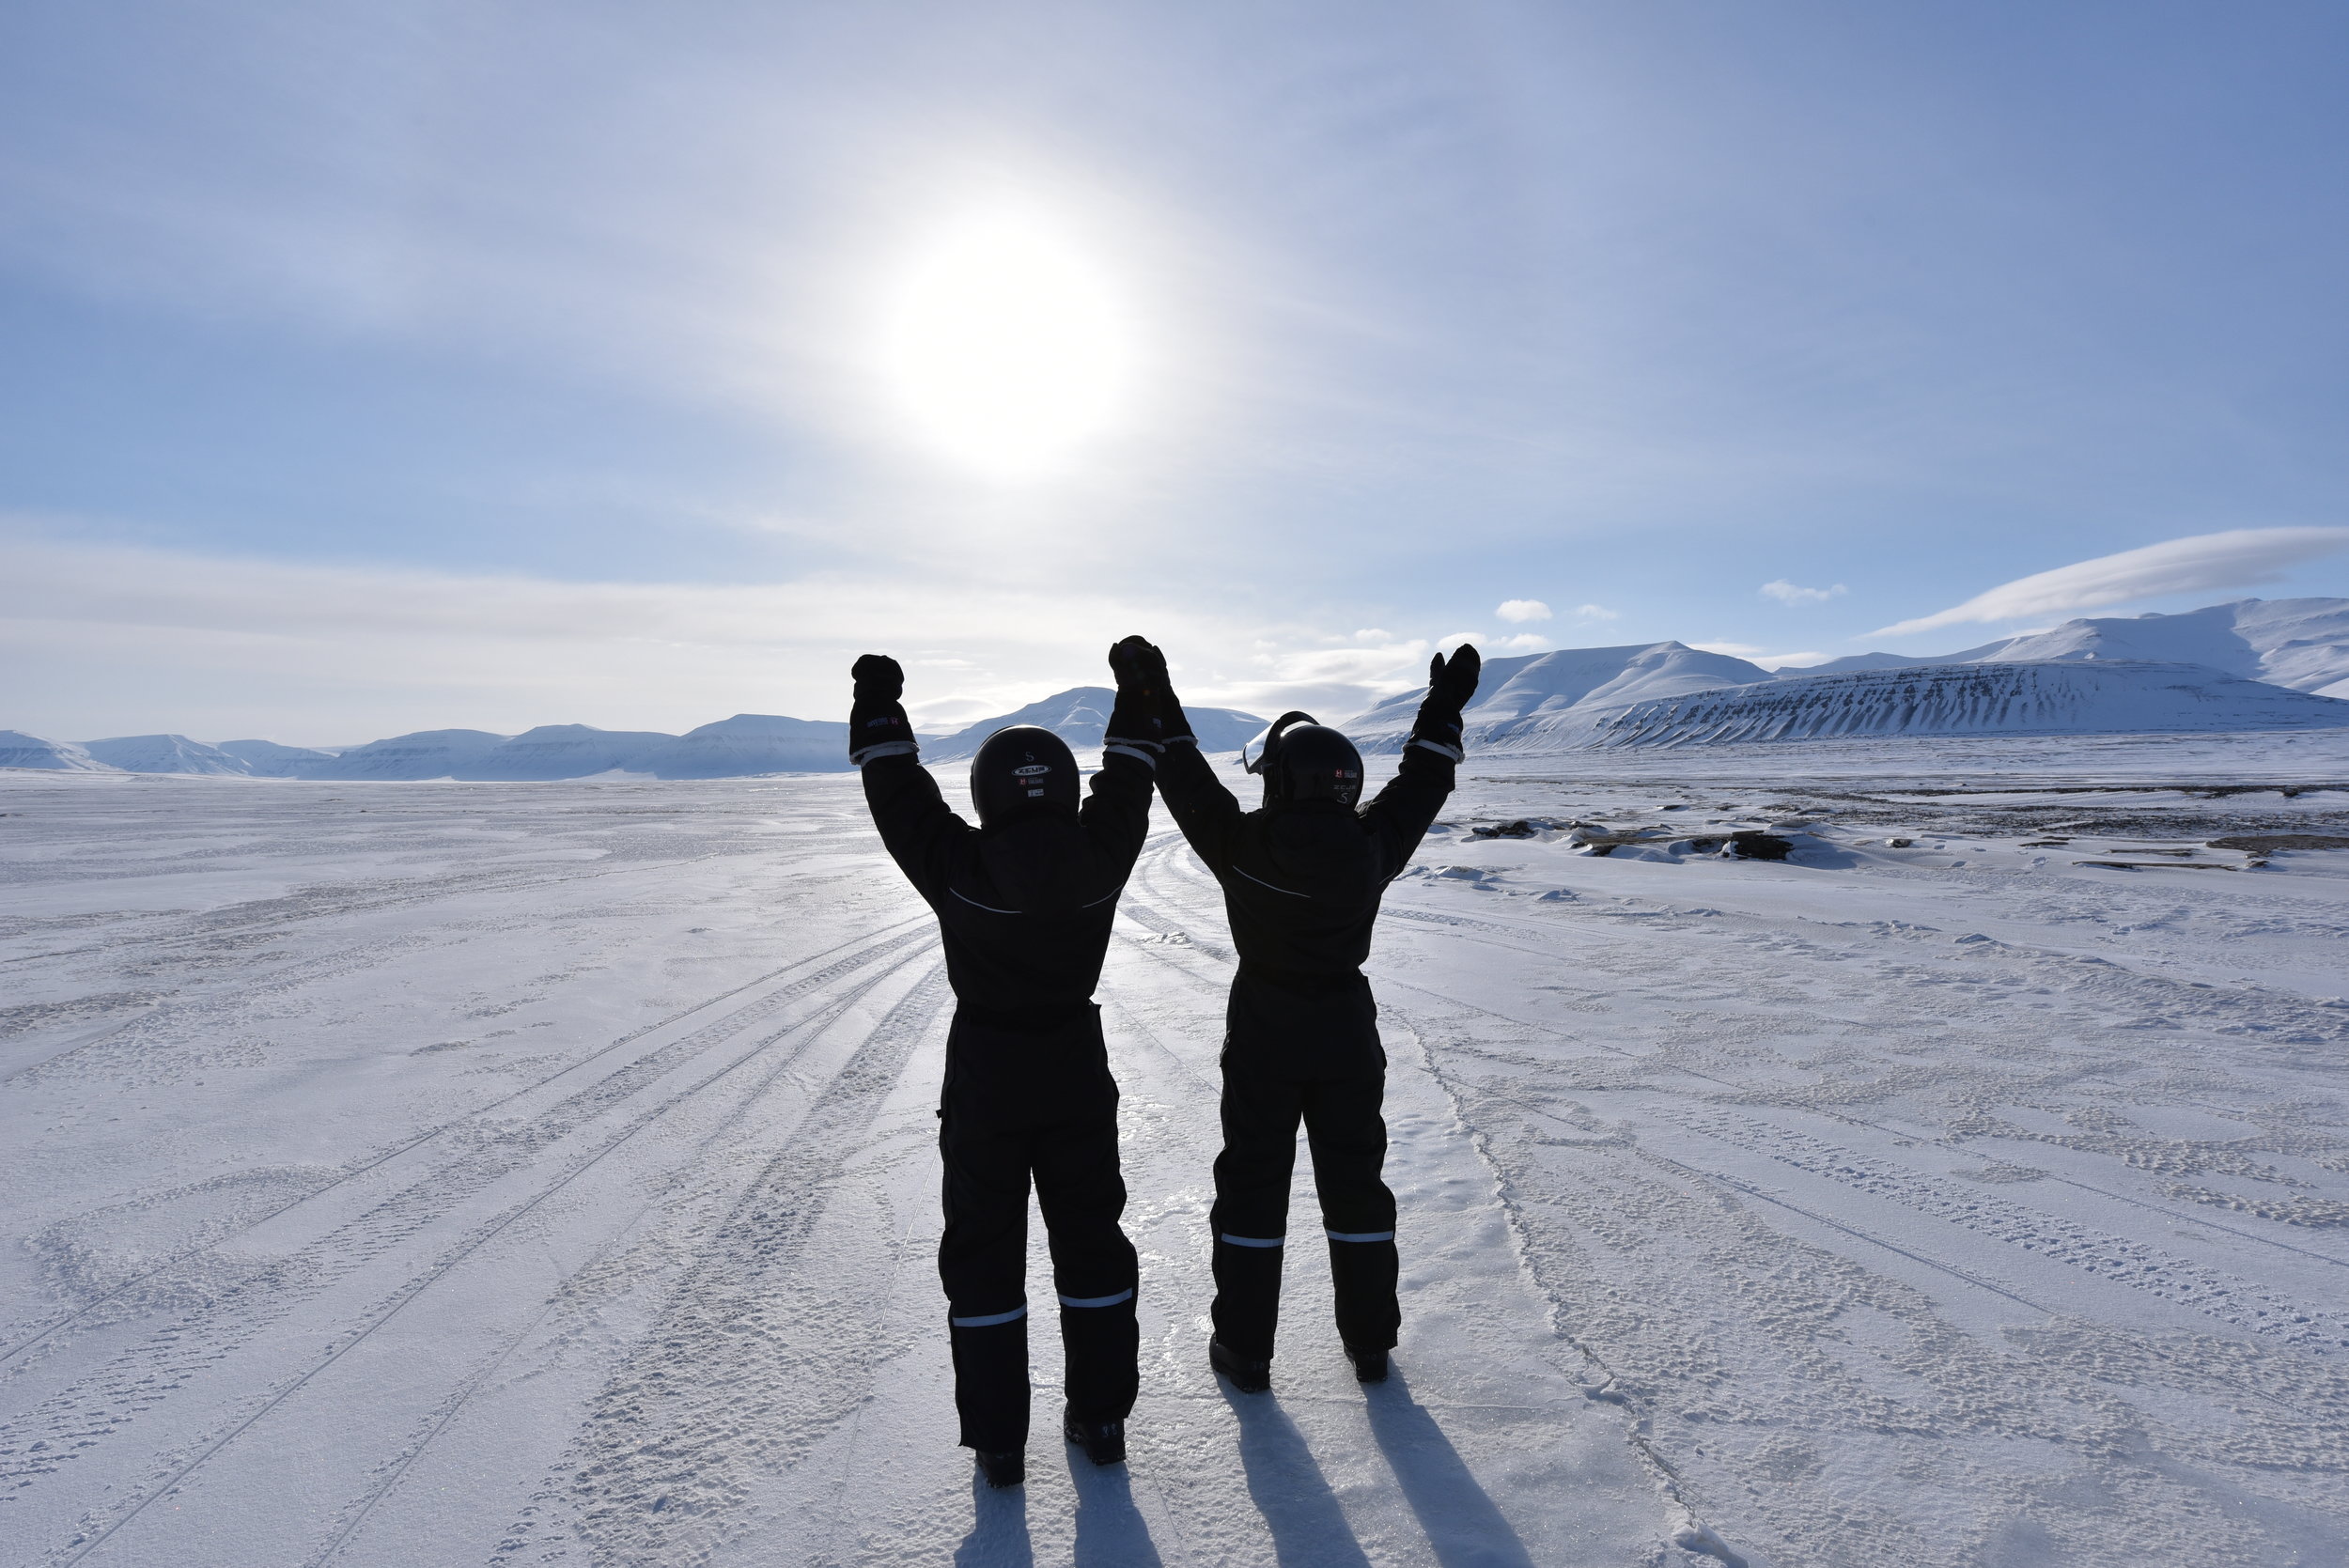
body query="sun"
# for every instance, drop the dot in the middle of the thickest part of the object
(1008, 347)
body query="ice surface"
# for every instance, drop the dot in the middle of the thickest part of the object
(415, 1172)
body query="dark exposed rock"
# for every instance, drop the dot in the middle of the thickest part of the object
(1757, 847)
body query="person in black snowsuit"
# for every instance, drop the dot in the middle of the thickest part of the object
(1303, 877)
(1024, 903)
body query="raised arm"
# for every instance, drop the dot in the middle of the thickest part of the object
(1150, 723)
(1402, 810)
(913, 819)
(1117, 812)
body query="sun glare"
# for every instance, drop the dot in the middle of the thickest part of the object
(1008, 347)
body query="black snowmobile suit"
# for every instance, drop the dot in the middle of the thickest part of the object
(1024, 908)
(1301, 883)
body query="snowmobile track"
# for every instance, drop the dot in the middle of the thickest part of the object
(711, 1385)
(105, 1401)
(875, 945)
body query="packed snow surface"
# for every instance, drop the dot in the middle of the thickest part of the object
(429, 1173)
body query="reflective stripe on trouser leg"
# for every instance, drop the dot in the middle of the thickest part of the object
(988, 1319)
(1122, 1297)
(992, 1380)
(1250, 1220)
(1348, 1140)
(1083, 1194)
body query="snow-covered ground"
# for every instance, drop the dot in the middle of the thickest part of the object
(424, 1173)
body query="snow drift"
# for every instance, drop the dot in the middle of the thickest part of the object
(2051, 697)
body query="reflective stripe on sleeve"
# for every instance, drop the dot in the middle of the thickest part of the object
(1360, 1235)
(1097, 1300)
(1442, 750)
(886, 749)
(1274, 886)
(991, 1319)
(1253, 1240)
(1134, 752)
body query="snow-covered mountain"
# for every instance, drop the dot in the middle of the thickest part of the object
(267, 759)
(1532, 703)
(751, 744)
(2302, 644)
(2053, 696)
(425, 754)
(1546, 701)
(18, 750)
(163, 753)
(564, 752)
(1081, 716)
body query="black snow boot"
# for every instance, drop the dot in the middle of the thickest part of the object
(1249, 1377)
(1008, 1468)
(1370, 1366)
(1104, 1442)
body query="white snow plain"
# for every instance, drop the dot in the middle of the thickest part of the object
(502, 1173)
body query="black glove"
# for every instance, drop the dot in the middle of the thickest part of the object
(1146, 710)
(1450, 682)
(877, 725)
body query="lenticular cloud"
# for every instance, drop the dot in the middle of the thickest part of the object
(2236, 559)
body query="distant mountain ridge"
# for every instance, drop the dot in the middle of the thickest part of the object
(2007, 698)
(2300, 643)
(748, 745)
(2248, 664)
(1559, 699)
(1081, 716)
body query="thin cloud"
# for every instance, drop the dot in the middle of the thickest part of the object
(2239, 558)
(1524, 609)
(1789, 593)
(1595, 613)
(1754, 653)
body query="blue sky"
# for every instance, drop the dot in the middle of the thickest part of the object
(371, 366)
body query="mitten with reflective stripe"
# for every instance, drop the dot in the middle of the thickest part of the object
(877, 725)
(1146, 716)
(1450, 682)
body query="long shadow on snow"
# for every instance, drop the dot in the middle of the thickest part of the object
(999, 1528)
(1309, 1529)
(1110, 1531)
(1464, 1528)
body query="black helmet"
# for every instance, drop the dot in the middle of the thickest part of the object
(1306, 760)
(1020, 769)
